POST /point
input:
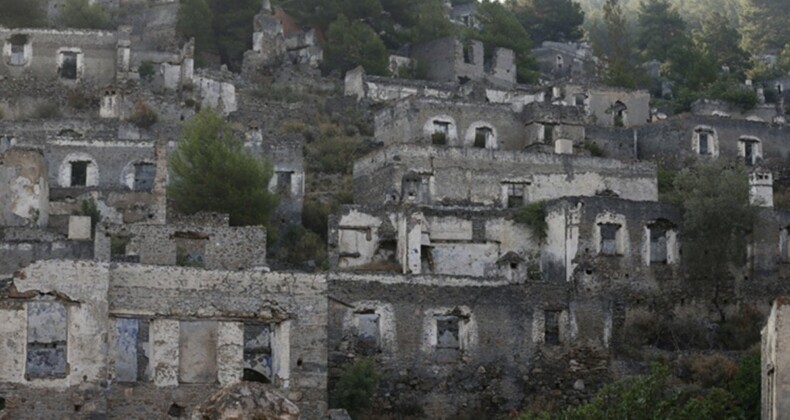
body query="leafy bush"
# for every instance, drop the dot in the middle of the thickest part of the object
(741, 331)
(146, 70)
(46, 110)
(356, 387)
(711, 370)
(745, 384)
(82, 15)
(594, 149)
(143, 116)
(333, 155)
(302, 247)
(89, 208)
(534, 216)
(355, 43)
(79, 99)
(733, 92)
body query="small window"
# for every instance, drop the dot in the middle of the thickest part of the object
(469, 57)
(448, 344)
(620, 113)
(548, 134)
(68, 65)
(749, 149)
(284, 183)
(415, 189)
(441, 132)
(658, 245)
(704, 143)
(17, 57)
(132, 350)
(609, 233)
(144, 176)
(515, 195)
(560, 62)
(47, 332)
(551, 329)
(483, 137)
(190, 249)
(79, 173)
(258, 352)
(579, 100)
(368, 335)
(784, 245)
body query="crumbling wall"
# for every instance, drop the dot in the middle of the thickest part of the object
(24, 188)
(608, 106)
(94, 51)
(444, 345)
(473, 176)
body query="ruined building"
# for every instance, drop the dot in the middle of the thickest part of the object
(503, 242)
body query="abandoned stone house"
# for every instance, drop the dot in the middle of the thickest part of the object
(570, 61)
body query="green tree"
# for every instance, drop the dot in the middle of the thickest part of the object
(356, 387)
(614, 45)
(431, 23)
(354, 43)
(717, 219)
(194, 21)
(661, 28)
(81, 14)
(232, 29)
(501, 28)
(212, 172)
(720, 40)
(22, 13)
(764, 25)
(784, 59)
(551, 20)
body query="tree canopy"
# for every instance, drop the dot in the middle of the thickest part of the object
(550, 20)
(212, 172)
(22, 13)
(355, 43)
(83, 15)
(764, 25)
(501, 28)
(660, 28)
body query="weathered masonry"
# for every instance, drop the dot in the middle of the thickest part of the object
(139, 341)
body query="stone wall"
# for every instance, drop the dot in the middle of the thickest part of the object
(452, 60)
(213, 308)
(446, 346)
(210, 247)
(41, 55)
(24, 188)
(449, 176)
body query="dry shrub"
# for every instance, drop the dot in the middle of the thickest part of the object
(711, 370)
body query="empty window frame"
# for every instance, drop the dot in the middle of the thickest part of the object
(705, 141)
(484, 138)
(551, 327)
(415, 189)
(619, 114)
(132, 350)
(441, 132)
(47, 332)
(448, 341)
(368, 333)
(18, 43)
(190, 249)
(79, 173)
(197, 351)
(68, 65)
(469, 54)
(784, 245)
(608, 234)
(144, 173)
(548, 133)
(750, 149)
(284, 180)
(258, 352)
(515, 194)
(578, 100)
(659, 245)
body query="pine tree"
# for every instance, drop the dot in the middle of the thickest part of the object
(212, 172)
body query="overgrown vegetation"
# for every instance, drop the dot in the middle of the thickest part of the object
(22, 13)
(82, 14)
(46, 110)
(146, 70)
(356, 387)
(303, 247)
(211, 172)
(89, 208)
(594, 149)
(143, 116)
(731, 393)
(534, 216)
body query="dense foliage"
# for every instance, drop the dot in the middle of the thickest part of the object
(550, 20)
(221, 29)
(355, 44)
(83, 15)
(211, 172)
(356, 387)
(501, 28)
(22, 13)
(734, 395)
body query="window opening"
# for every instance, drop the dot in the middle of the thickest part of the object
(144, 176)
(258, 352)
(47, 332)
(551, 330)
(68, 66)
(609, 238)
(79, 173)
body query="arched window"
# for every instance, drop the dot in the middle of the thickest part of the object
(620, 114)
(78, 170)
(750, 149)
(705, 141)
